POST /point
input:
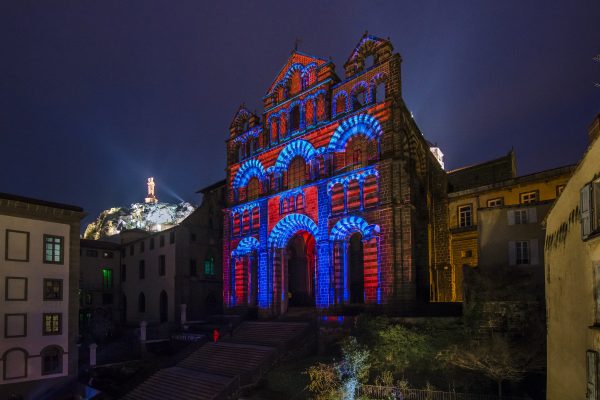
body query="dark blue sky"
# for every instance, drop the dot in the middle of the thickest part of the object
(95, 96)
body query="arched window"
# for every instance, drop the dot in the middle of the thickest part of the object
(299, 202)
(359, 98)
(283, 128)
(357, 150)
(380, 92)
(52, 357)
(240, 151)
(236, 224)
(141, 303)
(370, 191)
(245, 222)
(310, 112)
(321, 108)
(295, 119)
(253, 189)
(15, 364)
(255, 219)
(274, 130)
(337, 198)
(295, 83)
(340, 104)
(297, 172)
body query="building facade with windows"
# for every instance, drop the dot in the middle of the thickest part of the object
(161, 272)
(334, 198)
(495, 218)
(572, 260)
(39, 280)
(99, 289)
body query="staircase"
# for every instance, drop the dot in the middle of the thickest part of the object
(217, 370)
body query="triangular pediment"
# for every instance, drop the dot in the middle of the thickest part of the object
(297, 60)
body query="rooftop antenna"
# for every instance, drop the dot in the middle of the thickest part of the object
(297, 43)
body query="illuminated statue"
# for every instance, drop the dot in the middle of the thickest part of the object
(151, 199)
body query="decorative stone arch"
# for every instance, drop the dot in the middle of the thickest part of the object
(364, 124)
(306, 72)
(246, 246)
(345, 227)
(299, 147)
(368, 45)
(288, 226)
(242, 116)
(359, 87)
(340, 96)
(251, 168)
(380, 78)
(369, 270)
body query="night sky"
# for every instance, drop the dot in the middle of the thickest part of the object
(96, 96)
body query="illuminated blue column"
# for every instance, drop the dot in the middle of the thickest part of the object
(324, 266)
(345, 283)
(361, 184)
(265, 280)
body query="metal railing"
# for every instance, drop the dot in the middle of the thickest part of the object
(390, 392)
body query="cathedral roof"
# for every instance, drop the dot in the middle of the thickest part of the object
(297, 60)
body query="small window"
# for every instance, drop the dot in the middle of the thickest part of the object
(151, 243)
(497, 202)
(522, 250)
(15, 325)
(172, 237)
(15, 289)
(529, 197)
(51, 360)
(466, 253)
(162, 240)
(465, 216)
(91, 253)
(192, 237)
(521, 217)
(53, 249)
(123, 272)
(107, 279)
(53, 289)
(142, 246)
(52, 324)
(209, 266)
(161, 265)
(15, 364)
(295, 119)
(559, 189)
(193, 267)
(142, 272)
(107, 254)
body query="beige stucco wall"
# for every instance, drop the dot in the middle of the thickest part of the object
(569, 288)
(35, 270)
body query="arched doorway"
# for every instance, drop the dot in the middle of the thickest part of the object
(300, 257)
(356, 269)
(164, 311)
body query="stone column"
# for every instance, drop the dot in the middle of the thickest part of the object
(93, 347)
(183, 313)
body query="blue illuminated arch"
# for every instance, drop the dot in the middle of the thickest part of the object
(296, 148)
(345, 227)
(362, 124)
(250, 169)
(362, 85)
(340, 96)
(288, 226)
(246, 246)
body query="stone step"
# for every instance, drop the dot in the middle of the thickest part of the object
(230, 359)
(181, 383)
(274, 334)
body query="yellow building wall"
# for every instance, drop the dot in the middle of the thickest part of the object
(465, 241)
(570, 305)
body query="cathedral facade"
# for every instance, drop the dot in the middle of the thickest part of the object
(334, 198)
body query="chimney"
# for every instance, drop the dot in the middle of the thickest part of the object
(594, 129)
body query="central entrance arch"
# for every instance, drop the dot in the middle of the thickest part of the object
(294, 263)
(300, 258)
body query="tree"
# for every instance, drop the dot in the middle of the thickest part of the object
(353, 368)
(323, 381)
(495, 358)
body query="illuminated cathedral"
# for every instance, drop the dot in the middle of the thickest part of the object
(334, 198)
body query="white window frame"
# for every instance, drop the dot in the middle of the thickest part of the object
(465, 216)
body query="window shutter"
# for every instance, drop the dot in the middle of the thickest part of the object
(512, 253)
(595, 211)
(532, 215)
(534, 255)
(586, 210)
(592, 375)
(511, 217)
